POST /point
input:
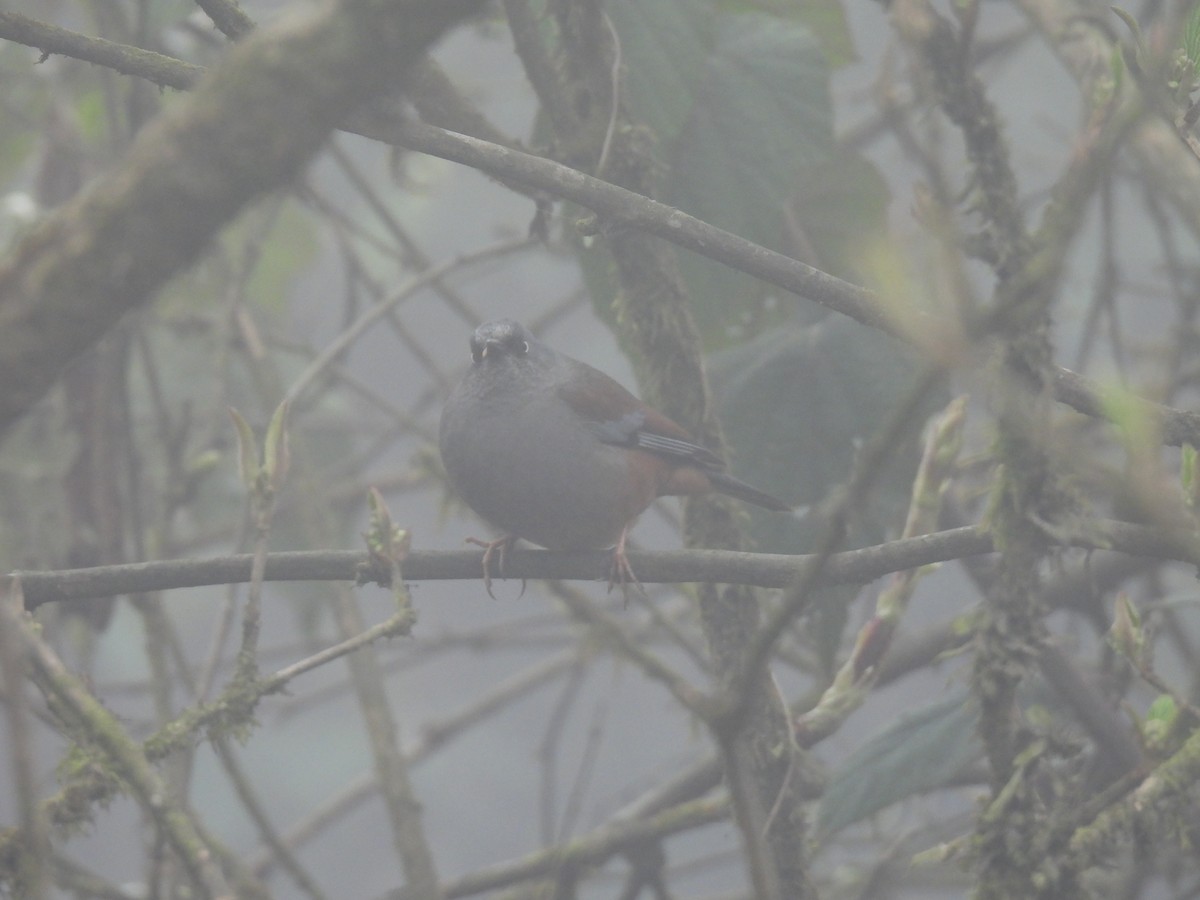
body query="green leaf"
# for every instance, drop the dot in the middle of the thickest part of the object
(248, 459)
(920, 752)
(285, 252)
(761, 117)
(1191, 39)
(737, 94)
(276, 454)
(1159, 724)
(824, 18)
(840, 207)
(1135, 423)
(665, 46)
(795, 404)
(1163, 709)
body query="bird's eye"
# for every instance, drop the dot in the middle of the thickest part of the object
(524, 348)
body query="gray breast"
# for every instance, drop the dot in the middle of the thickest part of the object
(530, 466)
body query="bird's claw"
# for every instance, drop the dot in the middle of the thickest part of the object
(620, 572)
(504, 544)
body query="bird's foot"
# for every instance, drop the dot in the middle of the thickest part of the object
(490, 548)
(620, 572)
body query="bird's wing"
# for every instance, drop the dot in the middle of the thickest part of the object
(618, 417)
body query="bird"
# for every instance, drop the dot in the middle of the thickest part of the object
(549, 449)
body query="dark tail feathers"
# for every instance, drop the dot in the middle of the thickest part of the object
(727, 484)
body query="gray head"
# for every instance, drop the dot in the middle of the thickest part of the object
(505, 349)
(503, 337)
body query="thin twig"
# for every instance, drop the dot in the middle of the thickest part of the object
(336, 347)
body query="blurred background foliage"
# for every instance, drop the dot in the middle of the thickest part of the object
(801, 126)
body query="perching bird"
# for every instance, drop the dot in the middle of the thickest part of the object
(549, 449)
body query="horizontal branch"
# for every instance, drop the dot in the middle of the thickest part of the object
(768, 570)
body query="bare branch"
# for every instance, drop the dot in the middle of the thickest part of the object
(248, 129)
(663, 567)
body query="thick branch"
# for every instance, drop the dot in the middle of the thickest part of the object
(615, 204)
(246, 130)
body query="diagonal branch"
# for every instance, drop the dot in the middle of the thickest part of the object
(165, 71)
(249, 127)
(615, 204)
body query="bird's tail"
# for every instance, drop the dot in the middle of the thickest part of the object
(727, 484)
